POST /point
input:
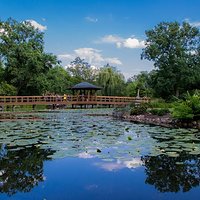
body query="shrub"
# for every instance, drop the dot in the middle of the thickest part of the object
(159, 112)
(139, 109)
(159, 104)
(182, 111)
(7, 89)
(188, 108)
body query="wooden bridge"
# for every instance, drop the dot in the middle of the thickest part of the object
(74, 100)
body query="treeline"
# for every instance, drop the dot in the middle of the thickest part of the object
(26, 69)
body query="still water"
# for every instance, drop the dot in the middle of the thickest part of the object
(85, 154)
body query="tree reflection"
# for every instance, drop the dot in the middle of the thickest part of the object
(21, 170)
(169, 174)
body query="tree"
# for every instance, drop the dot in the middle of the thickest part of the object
(138, 85)
(81, 71)
(111, 80)
(22, 170)
(22, 53)
(7, 89)
(174, 48)
(58, 80)
(179, 178)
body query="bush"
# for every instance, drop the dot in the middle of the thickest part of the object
(139, 109)
(188, 108)
(159, 112)
(159, 103)
(7, 89)
(182, 111)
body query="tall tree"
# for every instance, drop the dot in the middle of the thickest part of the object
(80, 70)
(139, 85)
(22, 53)
(111, 80)
(174, 49)
(58, 80)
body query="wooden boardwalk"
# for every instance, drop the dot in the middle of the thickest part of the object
(69, 100)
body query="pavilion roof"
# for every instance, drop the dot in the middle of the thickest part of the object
(85, 86)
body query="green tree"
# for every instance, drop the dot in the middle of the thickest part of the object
(174, 49)
(22, 53)
(22, 170)
(138, 85)
(7, 89)
(81, 71)
(182, 177)
(58, 80)
(131, 88)
(112, 81)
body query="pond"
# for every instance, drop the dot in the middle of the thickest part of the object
(86, 154)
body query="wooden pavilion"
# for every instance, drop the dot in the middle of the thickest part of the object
(84, 91)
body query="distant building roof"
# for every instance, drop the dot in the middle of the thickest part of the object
(86, 86)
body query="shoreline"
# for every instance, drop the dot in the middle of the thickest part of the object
(165, 120)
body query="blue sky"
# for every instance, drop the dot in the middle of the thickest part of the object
(100, 31)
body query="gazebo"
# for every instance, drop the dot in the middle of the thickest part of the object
(84, 90)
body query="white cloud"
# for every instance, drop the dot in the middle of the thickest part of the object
(133, 43)
(111, 39)
(85, 155)
(91, 19)
(115, 61)
(134, 163)
(120, 42)
(110, 166)
(37, 25)
(115, 166)
(92, 56)
(3, 32)
(196, 23)
(66, 56)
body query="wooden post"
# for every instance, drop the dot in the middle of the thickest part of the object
(33, 107)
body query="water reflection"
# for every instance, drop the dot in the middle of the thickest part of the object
(21, 170)
(172, 174)
(170, 157)
(118, 165)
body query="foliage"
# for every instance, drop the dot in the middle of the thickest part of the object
(1, 72)
(58, 80)
(22, 53)
(24, 168)
(138, 85)
(139, 109)
(180, 178)
(159, 112)
(7, 89)
(182, 111)
(131, 89)
(159, 103)
(81, 71)
(112, 81)
(174, 48)
(193, 102)
(188, 108)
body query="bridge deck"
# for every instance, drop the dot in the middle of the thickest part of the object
(69, 100)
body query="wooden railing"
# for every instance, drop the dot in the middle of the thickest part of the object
(70, 99)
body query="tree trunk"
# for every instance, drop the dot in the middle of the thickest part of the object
(138, 93)
(177, 92)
